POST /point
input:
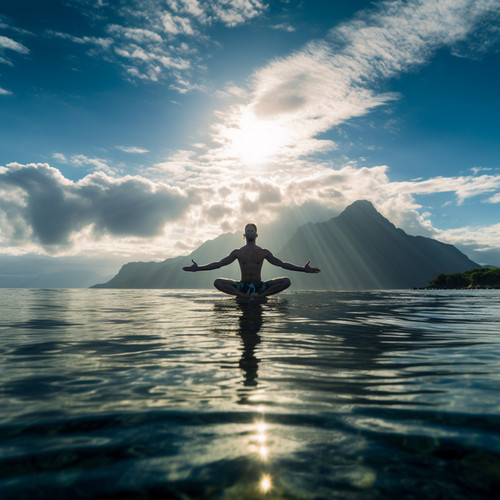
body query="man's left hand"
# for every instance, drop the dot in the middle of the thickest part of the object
(310, 269)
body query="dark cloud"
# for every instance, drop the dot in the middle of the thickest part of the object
(13, 227)
(133, 205)
(55, 207)
(269, 194)
(286, 97)
(51, 208)
(248, 206)
(216, 212)
(265, 192)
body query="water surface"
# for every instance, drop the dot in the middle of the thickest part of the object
(189, 394)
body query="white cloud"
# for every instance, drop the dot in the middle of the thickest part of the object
(476, 170)
(232, 91)
(162, 40)
(284, 27)
(234, 12)
(133, 149)
(331, 81)
(94, 164)
(136, 34)
(478, 238)
(464, 187)
(59, 157)
(494, 199)
(176, 25)
(100, 42)
(8, 43)
(97, 164)
(193, 7)
(302, 183)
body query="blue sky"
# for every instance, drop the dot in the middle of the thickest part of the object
(139, 129)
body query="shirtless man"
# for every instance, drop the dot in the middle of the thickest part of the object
(250, 258)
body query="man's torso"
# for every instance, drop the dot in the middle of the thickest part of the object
(250, 259)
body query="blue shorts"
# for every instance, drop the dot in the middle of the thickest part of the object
(253, 287)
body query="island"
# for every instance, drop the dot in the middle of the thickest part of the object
(481, 277)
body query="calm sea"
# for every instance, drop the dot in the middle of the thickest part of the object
(188, 394)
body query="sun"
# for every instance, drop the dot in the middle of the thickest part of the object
(256, 141)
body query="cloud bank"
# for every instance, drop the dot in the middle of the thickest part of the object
(40, 207)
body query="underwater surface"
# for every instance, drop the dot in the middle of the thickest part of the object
(191, 394)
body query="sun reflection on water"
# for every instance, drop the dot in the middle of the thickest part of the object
(265, 483)
(250, 322)
(259, 439)
(263, 451)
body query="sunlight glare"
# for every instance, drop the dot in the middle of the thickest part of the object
(265, 483)
(261, 438)
(256, 141)
(261, 427)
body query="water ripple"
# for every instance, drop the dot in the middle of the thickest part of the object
(187, 394)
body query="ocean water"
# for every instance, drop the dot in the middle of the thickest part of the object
(190, 394)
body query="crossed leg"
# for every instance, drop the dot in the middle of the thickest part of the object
(275, 286)
(230, 287)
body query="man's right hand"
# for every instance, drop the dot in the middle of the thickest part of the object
(191, 269)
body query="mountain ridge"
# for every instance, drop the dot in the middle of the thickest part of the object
(358, 249)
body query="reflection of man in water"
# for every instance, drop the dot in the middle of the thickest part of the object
(250, 258)
(250, 325)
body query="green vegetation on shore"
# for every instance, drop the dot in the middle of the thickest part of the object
(481, 277)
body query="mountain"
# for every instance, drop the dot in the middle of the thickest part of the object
(359, 249)
(169, 274)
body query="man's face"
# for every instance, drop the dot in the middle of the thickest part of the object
(250, 232)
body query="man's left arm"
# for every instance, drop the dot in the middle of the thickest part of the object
(289, 266)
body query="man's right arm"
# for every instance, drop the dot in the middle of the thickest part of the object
(214, 265)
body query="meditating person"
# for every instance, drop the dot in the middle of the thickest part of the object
(250, 258)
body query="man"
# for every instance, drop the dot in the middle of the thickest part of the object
(250, 258)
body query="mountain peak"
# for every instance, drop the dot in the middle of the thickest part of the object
(361, 206)
(363, 211)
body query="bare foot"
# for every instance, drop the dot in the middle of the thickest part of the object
(257, 296)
